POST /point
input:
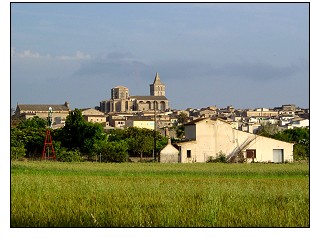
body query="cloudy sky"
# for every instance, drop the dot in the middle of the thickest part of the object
(244, 55)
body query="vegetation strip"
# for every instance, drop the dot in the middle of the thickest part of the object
(56, 194)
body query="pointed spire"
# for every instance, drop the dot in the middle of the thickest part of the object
(157, 79)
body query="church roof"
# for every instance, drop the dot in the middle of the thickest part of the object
(151, 98)
(42, 107)
(157, 79)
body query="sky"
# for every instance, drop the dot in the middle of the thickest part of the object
(247, 55)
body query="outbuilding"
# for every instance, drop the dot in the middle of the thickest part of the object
(169, 154)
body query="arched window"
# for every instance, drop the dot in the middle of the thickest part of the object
(162, 106)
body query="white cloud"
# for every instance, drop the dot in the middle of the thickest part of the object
(35, 55)
(78, 56)
(28, 54)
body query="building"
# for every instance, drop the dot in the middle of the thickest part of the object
(169, 154)
(60, 111)
(93, 115)
(140, 122)
(121, 101)
(206, 138)
(261, 112)
(298, 122)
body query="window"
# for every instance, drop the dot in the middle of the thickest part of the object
(189, 153)
(250, 154)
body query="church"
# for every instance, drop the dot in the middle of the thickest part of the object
(121, 101)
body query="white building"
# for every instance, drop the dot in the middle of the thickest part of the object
(208, 137)
(169, 154)
(298, 122)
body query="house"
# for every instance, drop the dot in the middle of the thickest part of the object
(60, 111)
(206, 138)
(260, 112)
(93, 115)
(208, 112)
(140, 122)
(298, 122)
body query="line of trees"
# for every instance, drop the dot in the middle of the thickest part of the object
(80, 139)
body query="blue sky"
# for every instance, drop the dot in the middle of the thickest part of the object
(244, 55)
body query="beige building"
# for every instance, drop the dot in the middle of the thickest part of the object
(121, 101)
(261, 112)
(208, 137)
(93, 115)
(169, 154)
(140, 122)
(60, 112)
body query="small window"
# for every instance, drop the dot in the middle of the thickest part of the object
(250, 154)
(189, 153)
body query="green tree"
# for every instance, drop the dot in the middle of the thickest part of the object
(268, 130)
(140, 141)
(140, 145)
(180, 131)
(115, 151)
(78, 134)
(72, 134)
(27, 138)
(182, 118)
(34, 122)
(18, 151)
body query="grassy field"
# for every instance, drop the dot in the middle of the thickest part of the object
(54, 194)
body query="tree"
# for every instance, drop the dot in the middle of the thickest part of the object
(180, 131)
(34, 122)
(140, 141)
(182, 118)
(72, 134)
(78, 134)
(140, 145)
(27, 138)
(268, 130)
(115, 151)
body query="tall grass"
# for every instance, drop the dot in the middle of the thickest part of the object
(49, 194)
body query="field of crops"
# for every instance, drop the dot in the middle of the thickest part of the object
(55, 194)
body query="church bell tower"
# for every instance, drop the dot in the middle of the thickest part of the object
(157, 88)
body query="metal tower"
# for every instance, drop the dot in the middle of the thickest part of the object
(48, 150)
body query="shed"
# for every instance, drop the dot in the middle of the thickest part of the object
(169, 154)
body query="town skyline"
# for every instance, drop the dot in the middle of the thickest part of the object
(245, 55)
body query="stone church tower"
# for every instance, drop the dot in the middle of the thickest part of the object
(157, 88)
(121, 101)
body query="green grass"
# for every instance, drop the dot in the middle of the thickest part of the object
(52, 194)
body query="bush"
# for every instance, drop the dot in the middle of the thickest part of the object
(70, 156)
(114, 152)
(219, 158)
(18, 152)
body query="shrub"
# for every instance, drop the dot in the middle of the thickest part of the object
(219, 158)
(18, 152)
(70, 156)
